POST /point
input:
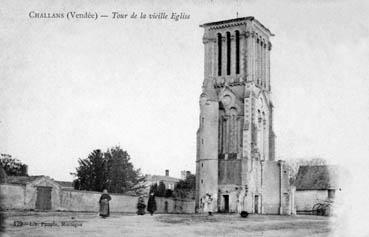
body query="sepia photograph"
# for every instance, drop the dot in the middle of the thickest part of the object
(184, 118)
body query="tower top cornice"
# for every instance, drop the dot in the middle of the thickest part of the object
(235, 22)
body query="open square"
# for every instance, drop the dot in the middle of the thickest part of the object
(165, 225)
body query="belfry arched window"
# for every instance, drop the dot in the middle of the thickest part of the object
(228, 36)
(219, 39)
(237, 52)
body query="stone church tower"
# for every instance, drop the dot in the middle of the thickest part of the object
(235, 140)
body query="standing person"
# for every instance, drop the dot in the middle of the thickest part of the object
(141, 206)
(104, 204)
(151, 204)
(208, 204)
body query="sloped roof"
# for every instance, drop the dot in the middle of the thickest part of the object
(22, 180)
(317, 177)
(155, 178)
(65, 184)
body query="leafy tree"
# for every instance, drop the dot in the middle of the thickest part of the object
(12, 166)
(168, 193)
(111, 170)
(161, 190)
(121, 175)
(186, 188)
(154, 189)
(91, 173)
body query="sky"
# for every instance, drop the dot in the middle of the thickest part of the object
(69, 87)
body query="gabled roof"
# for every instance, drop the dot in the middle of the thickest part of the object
(22, 180)
(156, 178)
(65, 184)
(317, 177)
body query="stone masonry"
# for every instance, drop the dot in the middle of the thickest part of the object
(235, 141)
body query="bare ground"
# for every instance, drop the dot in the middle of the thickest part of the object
(164, 225)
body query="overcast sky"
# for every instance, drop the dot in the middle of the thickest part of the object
(68, 87)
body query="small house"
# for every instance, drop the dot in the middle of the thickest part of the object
(315, 186)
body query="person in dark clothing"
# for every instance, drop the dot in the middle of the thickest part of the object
(104, 204)
(141, 206)
(151, 204)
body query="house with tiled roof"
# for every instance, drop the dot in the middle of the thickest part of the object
(168, 181)
(316, 184)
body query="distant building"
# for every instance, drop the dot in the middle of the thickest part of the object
(185, 174)
(317, 184)
(168, 181)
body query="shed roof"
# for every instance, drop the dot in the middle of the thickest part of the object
(65, 184)
(22, 180)
(317, 177)
(156, 178)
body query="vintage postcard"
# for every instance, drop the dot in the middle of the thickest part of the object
(184, 118)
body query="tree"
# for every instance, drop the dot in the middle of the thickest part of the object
(186, 188)
(111, 170)
(154, 189)
(121, 175)
(12, 166)
(161, 190)
(293, 166)
(168, 193)
(91, 173)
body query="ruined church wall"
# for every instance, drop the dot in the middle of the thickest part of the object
(271, 187)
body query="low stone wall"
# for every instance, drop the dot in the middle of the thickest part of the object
(74, 200)
(12, 196)
(18, 197)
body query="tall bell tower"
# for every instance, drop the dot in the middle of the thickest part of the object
(235, 135)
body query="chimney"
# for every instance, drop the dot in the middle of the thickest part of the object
(183, 174)
(188, 173)
(166, 172)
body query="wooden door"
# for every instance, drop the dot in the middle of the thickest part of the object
(43, 201)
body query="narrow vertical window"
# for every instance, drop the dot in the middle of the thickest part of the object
(237, 52)
(219, 54)
(257, 62)
(228, 53)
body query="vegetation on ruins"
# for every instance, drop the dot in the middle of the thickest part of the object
(111, 170)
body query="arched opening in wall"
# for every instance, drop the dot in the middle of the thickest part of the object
(219, 39)
(257, 62)
(233, 134)
(228, 36)
(237, 52)
(221, 131)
